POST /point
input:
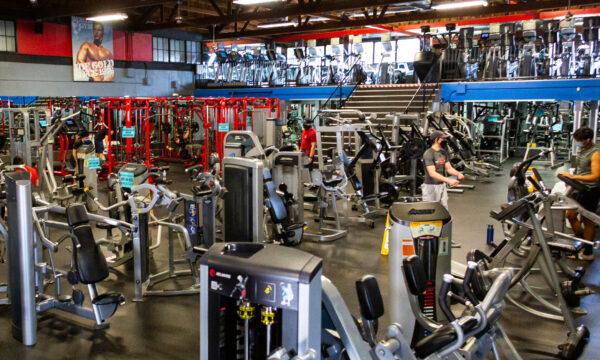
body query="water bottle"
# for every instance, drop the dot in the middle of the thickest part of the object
(490, 235)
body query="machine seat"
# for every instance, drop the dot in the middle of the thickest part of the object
(89, 260)
(571, 247)
(105, 226)
(332, 182)
(442, 337)
(108, 298)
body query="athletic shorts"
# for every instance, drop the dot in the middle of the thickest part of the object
(587, 199)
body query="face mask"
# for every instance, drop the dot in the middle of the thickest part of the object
(578, 144)
(443, 142)
(306, 126)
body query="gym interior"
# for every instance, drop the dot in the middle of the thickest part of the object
(299, 179)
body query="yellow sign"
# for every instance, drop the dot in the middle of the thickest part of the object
(425, 228)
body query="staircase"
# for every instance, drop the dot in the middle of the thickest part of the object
(383, 100)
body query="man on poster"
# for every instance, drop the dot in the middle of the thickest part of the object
(95, 59)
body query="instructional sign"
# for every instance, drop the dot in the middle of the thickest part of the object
(223, 127)
(126, 179)
(128, 132)
(93, 163)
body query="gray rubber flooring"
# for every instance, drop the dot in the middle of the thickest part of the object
(167, 327)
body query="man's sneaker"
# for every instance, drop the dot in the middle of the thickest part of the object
(455, 244)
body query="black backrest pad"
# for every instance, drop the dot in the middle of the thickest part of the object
(369, 297)
(89, 259)
(77, 215)
(414, 273)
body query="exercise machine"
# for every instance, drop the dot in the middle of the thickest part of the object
(28, 272)
(423, 229)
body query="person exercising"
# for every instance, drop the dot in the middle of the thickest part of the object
(90, 52)
(587, 171)
(308, 141)
(437, 167)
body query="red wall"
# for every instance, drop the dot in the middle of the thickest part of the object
(55, 40)
(139, 45)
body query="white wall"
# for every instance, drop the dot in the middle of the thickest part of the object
(27, 79)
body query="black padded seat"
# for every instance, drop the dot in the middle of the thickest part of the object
(108, 298)
(89, 260)
(442, 337)
(571, 247)
(310, 198)
(105, 226)
(332, 182)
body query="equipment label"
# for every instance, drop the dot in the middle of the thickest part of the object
(128, 132)
(443, 246)
(126, 179)
(93, 163)
(223, 127)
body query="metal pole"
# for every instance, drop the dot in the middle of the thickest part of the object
(577, 111)
(21, 258)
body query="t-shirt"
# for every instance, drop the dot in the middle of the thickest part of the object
(33, 173)
(437, 158)
(308, 138)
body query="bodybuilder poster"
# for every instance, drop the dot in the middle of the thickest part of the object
(92, 51)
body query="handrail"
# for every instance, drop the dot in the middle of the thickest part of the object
(437, 84)
(342, 82)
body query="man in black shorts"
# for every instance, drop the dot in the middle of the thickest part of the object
(587, 171)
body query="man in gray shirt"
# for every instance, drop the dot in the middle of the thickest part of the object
(437, 168)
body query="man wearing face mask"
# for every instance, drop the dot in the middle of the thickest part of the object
(437, 168)
(308, 141)
(587, 171)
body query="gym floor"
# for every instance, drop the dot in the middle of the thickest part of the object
(167, 327)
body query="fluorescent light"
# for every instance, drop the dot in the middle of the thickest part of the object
(459, 5)
(318, 18)
(108, 17)
(276, 25)
(254, 2)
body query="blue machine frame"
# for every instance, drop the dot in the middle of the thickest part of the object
(282, 93)
(526, 90)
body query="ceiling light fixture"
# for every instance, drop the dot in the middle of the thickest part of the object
(276, 25)
(255, 2)
(459, 5)
(108, 17)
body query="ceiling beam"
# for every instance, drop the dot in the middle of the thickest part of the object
(292, 10)
(216, 7)
(76, 8)
(421, 16)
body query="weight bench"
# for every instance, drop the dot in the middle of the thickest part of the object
(90, 266)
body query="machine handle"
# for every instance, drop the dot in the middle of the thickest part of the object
(535, 184)
(537, 175)
(443, 297)
(471, 267)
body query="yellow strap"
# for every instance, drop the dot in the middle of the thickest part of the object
(385, 243)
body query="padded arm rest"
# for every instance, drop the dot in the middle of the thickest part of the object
(511, 210)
